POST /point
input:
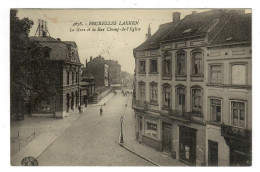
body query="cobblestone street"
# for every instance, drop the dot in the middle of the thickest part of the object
(93, 140)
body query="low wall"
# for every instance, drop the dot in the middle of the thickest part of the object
(103, 94)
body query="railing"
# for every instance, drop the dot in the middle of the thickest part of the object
(139, 103)
(179, 115)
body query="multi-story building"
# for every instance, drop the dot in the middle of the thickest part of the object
(193, 88)
(114, 71)
(65, 66)
(100, 70)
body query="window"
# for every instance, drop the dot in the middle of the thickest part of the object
(166, 96)
(215, 110)
(151, 128)
(72, 78)
(238, 74)
(76, 77)
(197, 63)
(181, 61)
(238, 113)
(142, 66)
(167, 66)
(153, 94)
(181, 96)
(215, 74)
(197, 100)
(153, 66)
(142, 91)
(68, 78)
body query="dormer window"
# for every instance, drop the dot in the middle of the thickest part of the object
(187, 31)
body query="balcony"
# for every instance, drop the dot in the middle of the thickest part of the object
(139, 104)
(236, 137)
(235, 132)
(178, 115)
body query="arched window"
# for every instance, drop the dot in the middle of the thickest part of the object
(142, 91)
(180, 98)
(181, 63)
(153, 92)
(197, 62)
(196, 100)
(166, 96)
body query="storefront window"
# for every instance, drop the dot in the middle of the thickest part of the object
(151, 128)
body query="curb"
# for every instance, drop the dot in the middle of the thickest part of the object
(122, 145)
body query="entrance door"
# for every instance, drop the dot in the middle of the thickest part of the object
(212, 153)
(166, 137)
(187, 145)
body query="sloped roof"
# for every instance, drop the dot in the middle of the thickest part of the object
(198, 24)
(238, 29)
(219, 25)
(154, 41)
(59, 49)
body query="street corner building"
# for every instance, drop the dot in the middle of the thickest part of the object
(65, 66)
(193, 88)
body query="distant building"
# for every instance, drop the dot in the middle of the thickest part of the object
(99, 69)
(66, 65)
(114, 71)
(193, 88)
(87, 87)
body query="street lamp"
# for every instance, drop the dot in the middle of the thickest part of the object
(121, 137)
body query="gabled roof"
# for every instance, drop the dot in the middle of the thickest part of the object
(154, 41)
(59, 49)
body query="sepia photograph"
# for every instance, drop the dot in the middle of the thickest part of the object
(131, 87)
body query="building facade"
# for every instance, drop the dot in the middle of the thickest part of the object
(64, 59)
(100, 71)
(190, 100)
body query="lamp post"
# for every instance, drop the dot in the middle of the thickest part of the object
(54, 102)
(121, 136)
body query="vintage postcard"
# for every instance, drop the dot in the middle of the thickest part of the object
(131, 87)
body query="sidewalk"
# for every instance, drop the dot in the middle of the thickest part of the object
(146, 152)
(47, 130)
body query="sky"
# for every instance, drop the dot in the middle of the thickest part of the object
(109, 44)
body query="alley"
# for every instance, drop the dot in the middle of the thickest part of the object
(93, 140)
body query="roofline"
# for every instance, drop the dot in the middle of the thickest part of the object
(228, 44)
(178, 39)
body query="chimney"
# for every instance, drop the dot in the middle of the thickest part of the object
(86, 62)
(176, 17)
(194, 12)
(148, 35)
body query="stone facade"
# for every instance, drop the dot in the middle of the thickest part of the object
(189, 99)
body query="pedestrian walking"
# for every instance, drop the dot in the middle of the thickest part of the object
(80, 110)
(101, 111)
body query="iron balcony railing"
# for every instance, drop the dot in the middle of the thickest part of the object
(139, 104)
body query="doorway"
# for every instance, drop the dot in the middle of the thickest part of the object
(212, 153)
(166, 137)
(187, 145)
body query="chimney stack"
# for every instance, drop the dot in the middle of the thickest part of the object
(90, 58)
(176, 17)
(86, 62)
(148, 35)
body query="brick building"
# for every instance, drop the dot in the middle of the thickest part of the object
(66, 65)
(192, 96)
